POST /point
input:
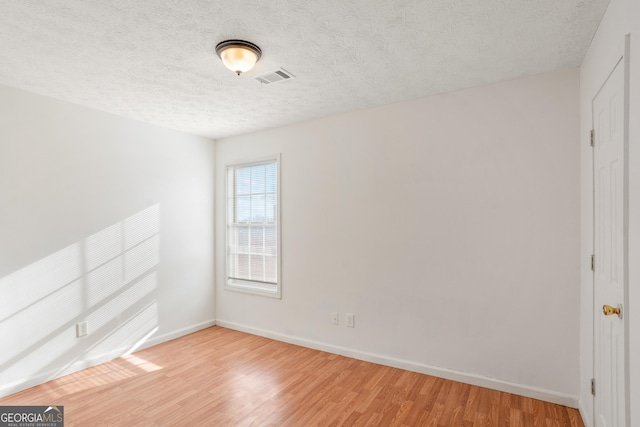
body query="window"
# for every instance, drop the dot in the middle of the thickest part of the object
(253, 228)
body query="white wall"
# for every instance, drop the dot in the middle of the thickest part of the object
(622, 18)
(103, 219)
(447, 225)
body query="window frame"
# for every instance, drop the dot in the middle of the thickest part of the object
(251, 286)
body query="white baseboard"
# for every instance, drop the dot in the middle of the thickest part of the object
(78, 365)
(464, 377)
(177, 334)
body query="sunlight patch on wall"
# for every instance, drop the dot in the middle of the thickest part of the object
(141, 226)
(46, 356)
(104, 246)
(126, 335)
(108, 279)
(139, 259)
(131, 297)
(105, 281)
(31, 330)
(36, 282)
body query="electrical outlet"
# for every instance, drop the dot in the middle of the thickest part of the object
(334, 318)
(351, 320)
(82, 329)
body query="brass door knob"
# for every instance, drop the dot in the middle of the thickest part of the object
(608, 310)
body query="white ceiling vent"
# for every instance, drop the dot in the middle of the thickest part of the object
(276, 76)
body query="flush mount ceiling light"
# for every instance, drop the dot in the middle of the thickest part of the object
(238, 55)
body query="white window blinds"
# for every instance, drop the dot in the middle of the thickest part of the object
(252, 226)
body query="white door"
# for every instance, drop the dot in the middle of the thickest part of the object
(609, 244)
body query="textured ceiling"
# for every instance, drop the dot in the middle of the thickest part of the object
(154, 60)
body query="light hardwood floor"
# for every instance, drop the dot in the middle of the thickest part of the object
(221, 377)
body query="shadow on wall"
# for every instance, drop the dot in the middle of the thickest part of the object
(108, 279)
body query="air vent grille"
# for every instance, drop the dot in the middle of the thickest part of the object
(276, 76)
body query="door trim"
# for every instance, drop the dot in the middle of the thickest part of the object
(625, 214)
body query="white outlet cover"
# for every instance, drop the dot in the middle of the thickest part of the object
(351, 320)
(82, 329)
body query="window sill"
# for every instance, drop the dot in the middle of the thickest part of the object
(255, 288)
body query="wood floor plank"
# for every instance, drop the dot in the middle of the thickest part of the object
(471, 406)
(454, 401)
(222, 377)
(493, 408)
(504, 410)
